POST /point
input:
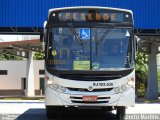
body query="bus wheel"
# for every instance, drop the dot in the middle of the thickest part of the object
(51, 112)
(121, 112)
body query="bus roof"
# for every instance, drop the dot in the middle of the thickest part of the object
(88, 7)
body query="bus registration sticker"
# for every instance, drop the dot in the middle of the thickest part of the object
(81, 65)
(84, 33)
(89, 98)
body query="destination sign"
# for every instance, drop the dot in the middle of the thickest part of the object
(90, 16)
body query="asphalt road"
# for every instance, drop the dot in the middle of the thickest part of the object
(35, 110)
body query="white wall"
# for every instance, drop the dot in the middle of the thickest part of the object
(38, 65)
(17, 71)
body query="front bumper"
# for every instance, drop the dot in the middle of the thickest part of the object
(54, 98)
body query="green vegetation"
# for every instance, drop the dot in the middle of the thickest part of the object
(141, 74)
(9, 57)
(159, 81)
(38, 56)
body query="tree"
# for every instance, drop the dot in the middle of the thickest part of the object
(9, 57)
(38, 56)
(159, 81)
(141, 73)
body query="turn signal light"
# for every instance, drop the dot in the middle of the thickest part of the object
(49, 82)
(46, 78)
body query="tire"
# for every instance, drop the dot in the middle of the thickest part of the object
(51, 112)
(121, 113)
(109, 108)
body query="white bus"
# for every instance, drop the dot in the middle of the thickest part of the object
(89, 59)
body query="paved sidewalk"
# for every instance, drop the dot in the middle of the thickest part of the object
(21, 101)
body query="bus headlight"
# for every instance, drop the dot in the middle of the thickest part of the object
(130, 83)
(58, 88)
(117, 89)
(124, 87)
(55, 86)
(120, 89)
(49, 82)
(61, 89)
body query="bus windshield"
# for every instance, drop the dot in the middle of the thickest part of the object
(101, 48)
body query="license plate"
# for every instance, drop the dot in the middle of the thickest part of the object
(89, 98)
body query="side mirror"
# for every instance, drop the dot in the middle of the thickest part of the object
(43, 38)
(138, 43)
(43, 32)
(41, 35)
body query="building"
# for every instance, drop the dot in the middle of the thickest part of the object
(13, 76)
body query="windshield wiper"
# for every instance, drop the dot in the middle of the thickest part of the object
(104, 35)
(74, 32)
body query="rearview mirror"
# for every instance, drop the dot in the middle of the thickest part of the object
(41, 35)
(138, 43)
(43, 32)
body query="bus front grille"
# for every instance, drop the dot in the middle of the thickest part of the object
(86, 90)
(93, 77)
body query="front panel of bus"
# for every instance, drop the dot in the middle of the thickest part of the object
(90, 58)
